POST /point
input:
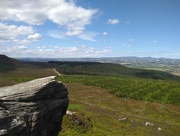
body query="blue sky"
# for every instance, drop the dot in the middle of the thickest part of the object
(90, 28)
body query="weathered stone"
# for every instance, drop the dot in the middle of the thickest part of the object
(11, 124)
(149, 124)
(159, 128)
(122, 119)
(34, 108)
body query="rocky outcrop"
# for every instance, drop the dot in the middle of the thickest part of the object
(34, 108)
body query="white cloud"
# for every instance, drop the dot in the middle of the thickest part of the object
(18, 34)
(104, 51)
(22, 41)
(113, 21)
(65, 13)
(13, 33)
(104, 33)
(13, 50)
(54, 51)
(89, 36)
(35, 37)
(87, 51)
(21, 47)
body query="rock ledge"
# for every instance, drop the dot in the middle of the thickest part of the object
(33, 108)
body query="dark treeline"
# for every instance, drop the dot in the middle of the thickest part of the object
(110, 69)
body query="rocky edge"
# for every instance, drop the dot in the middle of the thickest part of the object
(33, 108)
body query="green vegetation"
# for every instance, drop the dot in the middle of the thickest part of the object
(76, 106)
(130, 87)
(105, 114)
(13, 71)
(104, 110)
(24, 74)
(95, 68)
(100, 95)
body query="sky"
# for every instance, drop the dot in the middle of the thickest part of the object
(90, 28)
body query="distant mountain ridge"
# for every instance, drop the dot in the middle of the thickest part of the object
(7, 63)
(103, 59)
(87, 68)
(159, 64)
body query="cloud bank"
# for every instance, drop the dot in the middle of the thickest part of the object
(64, 13)
(54, 51)
(17, 34)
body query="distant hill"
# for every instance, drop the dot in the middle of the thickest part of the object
(160, 64)
(110, 69)
(7, 64)
(86, 68)
(130, 60)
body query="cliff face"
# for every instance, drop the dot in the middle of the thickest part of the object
(34, 108)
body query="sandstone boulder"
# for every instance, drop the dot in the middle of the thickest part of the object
(34, 108)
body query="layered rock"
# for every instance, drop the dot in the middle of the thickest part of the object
(34, 108)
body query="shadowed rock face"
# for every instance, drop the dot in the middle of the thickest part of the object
(34, 108)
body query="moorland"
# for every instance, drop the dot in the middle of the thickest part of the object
(107, 98)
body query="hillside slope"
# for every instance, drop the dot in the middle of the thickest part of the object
(7, 64)
(111, 69)
(103, 114)
(13, 71)
(10, 64)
